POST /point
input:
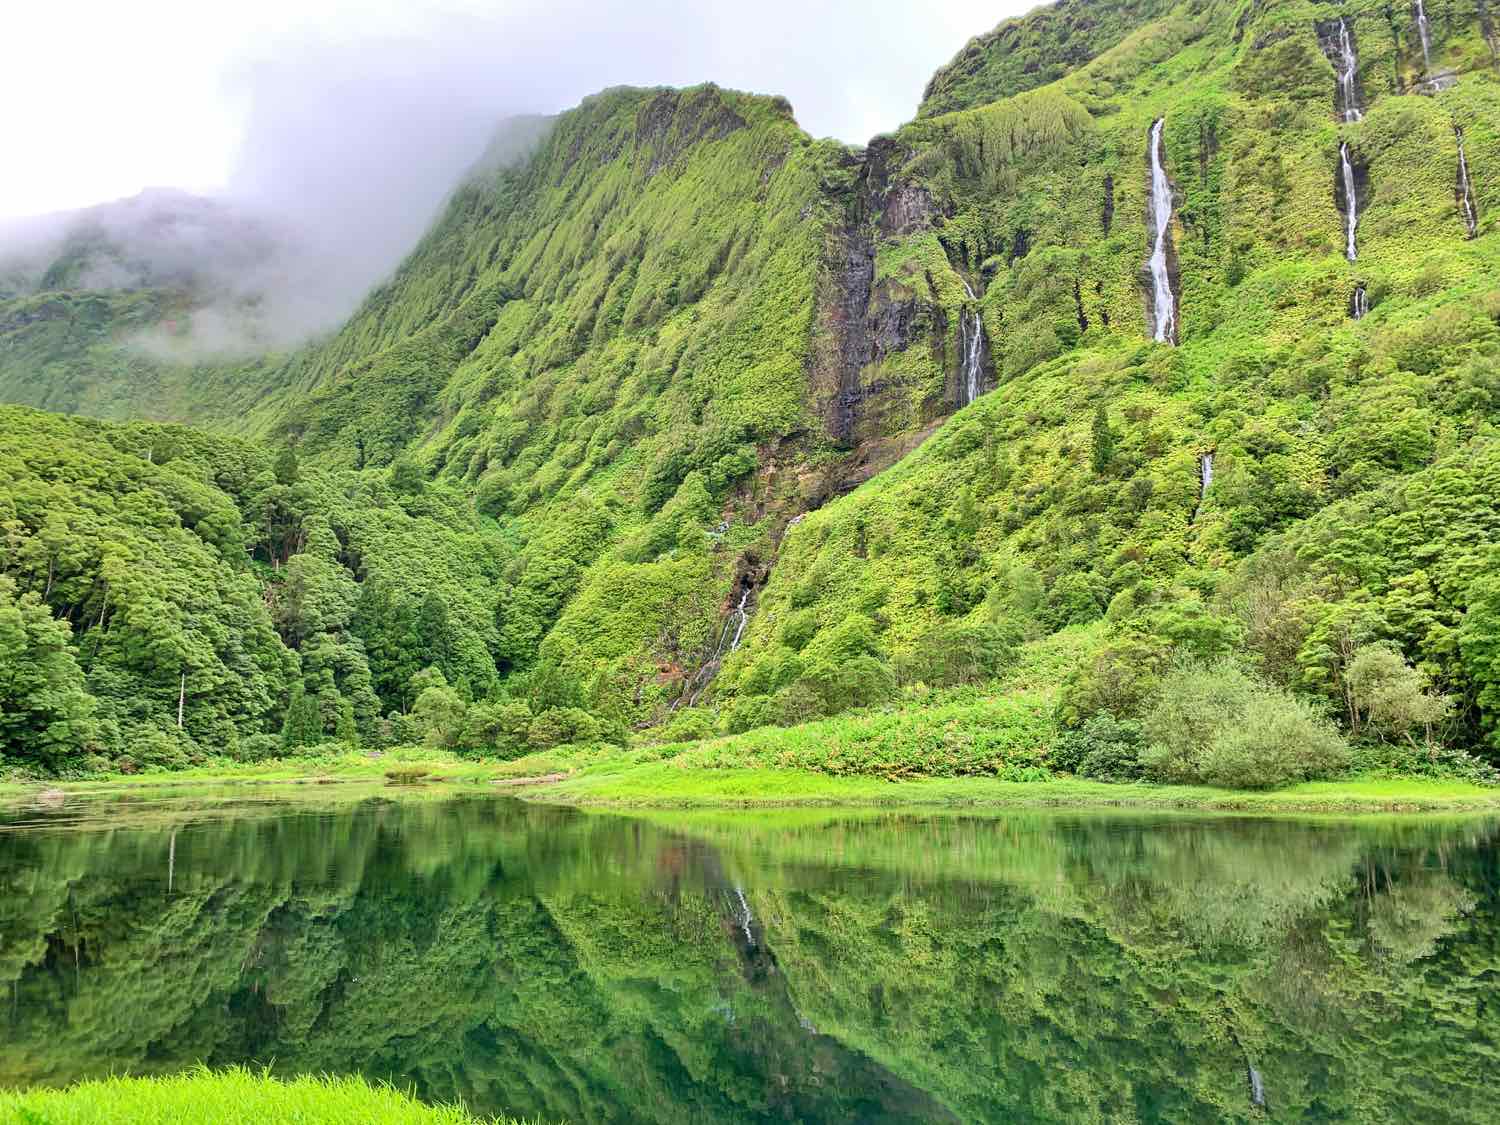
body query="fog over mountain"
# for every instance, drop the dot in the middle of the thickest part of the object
(354, 126)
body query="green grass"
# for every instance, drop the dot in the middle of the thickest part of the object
(670, 785)
(226, 1097)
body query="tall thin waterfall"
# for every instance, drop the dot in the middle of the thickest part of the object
(1359, 303)
(1351, 201)
(1347, 67)
(1425, 32)
(1163, 305)
(971, 331)
(971, 341)
(1466, 202)
(1205, 472)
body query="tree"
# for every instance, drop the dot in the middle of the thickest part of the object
(1479, 644)
(1391, 697)
(303, 725)
(286, 469)
(46, 715)
(1102, 451)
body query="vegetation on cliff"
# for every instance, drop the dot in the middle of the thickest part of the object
(672, 426)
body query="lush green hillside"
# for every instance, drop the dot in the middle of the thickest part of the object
(654, 405)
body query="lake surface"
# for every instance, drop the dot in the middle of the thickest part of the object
(795, 966)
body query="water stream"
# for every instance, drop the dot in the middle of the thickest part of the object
(971, 330)
(1163, 304)
(1466, 190)
(739, 617)
(1205, 472)
(1351, 201)
(1347, 66)
(1359, 304)
(1425, 32)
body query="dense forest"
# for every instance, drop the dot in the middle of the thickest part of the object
(1160, 352)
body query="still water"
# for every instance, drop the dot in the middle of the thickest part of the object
(794, 966)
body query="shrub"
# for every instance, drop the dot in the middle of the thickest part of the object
(960, 653)
(560, 726)
(1214, 724)
(1103, 748)
(500, 728)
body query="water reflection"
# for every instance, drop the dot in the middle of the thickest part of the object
(795, 966)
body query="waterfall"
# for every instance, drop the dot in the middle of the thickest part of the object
(971, 335)
(1205, 473)
(742, 618)
(739, 617)
(1426, 33)
(1466, 189)
(1257, 1088)
(1359, 304)
(1163, 305)
(1351, 201)
(1347, 66)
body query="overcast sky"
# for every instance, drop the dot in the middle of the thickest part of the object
(315, 95)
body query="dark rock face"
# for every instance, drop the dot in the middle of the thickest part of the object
(676, 120)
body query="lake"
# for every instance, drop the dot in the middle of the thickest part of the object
(803, 965)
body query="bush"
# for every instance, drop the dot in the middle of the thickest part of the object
(1216, 725)
(959, 653)
(499, 728)
(1104, 748)
(560, 726)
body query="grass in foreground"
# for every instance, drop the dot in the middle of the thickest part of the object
(229, 1097)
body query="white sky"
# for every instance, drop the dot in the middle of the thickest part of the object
(108, 97)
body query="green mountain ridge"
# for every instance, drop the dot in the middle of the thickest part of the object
(702, 413)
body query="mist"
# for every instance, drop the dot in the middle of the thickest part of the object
(355, 124)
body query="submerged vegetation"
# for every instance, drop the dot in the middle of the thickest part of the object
(685, 429)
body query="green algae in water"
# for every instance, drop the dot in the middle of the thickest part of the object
(814, 966)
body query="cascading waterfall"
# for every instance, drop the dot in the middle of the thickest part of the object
(1425, 32)
(1466, 202)
(1359, 303)
(971, 341)
(1163, 304)
(1205, 472)
(1348, 67)
(728, 643)
(1351, 201)
(972, 330)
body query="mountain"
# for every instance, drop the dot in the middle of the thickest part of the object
(1170, 325)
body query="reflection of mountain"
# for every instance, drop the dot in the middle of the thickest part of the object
(596, 968)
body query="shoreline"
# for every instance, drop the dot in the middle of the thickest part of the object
(665, 785)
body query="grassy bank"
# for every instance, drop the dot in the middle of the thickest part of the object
(230, 1097)
(667, 785)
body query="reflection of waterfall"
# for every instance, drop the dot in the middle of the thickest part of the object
(1426, 35)
(1466, 189)
(745, 918)
(1163, 305)
(1359, 303)
(1347, 65)
(1351, 201)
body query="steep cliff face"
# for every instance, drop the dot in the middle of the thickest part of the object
(1037, 211)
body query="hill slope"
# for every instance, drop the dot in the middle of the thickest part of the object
(647, 351)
